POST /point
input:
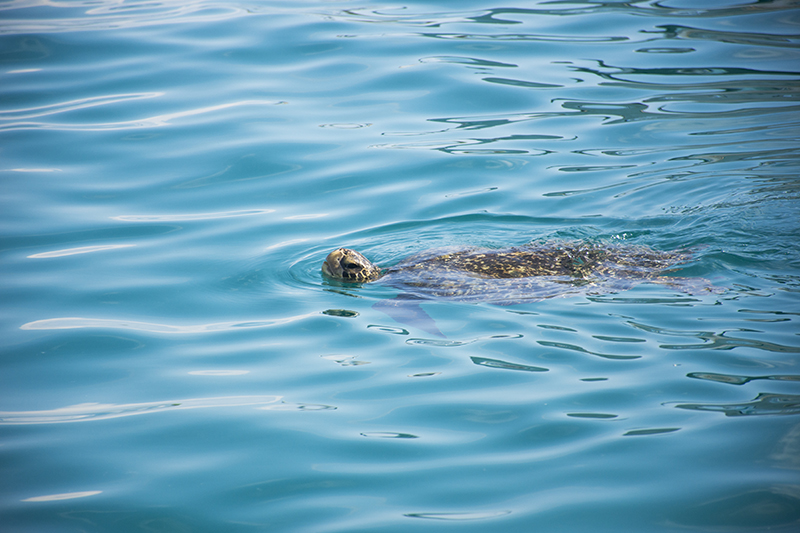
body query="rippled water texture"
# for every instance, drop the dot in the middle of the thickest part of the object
(175, 172)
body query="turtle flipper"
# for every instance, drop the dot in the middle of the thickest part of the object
(406, 309)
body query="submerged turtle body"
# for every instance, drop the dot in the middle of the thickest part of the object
(513, 275)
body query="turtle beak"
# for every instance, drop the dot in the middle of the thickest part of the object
(330, 267)
(326, 269)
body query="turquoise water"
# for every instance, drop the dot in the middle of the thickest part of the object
(174, 173)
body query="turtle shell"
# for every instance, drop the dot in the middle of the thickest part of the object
(531, 272)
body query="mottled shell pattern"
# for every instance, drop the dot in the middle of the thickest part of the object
(467, 271)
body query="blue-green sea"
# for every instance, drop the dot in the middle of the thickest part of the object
(174, 172)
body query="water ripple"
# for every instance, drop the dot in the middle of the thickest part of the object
(389, 435)
(714, 341)
(664, 131)
(112, 15)
(345, 360)
(454, 343)
(284, 406)
(469, 61)
(598, 416)
(152, 327)
(148, 122)
(96, 411)
(525, 37)
(63, 496)
(763, 404)
(218, 373)
(346, 125)
(192, 216)
(73, 105)
(477, 515)
(574, 348)
(673, 31)
(737, 380)
(81, 250)
(504, 16)
(649, 431)
(464, 146)
(394, 330)
(497, 363)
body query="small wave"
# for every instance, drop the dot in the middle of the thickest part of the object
(284, 406)
(95, 411)
(763, 404)
(152, 327)
(72, 105)
(345, 360)
(32, 169)
(147, 122)
(455, 343)
(81, 250)
(738, 380)
(112, 15)
(394, 330)
(477, 515)
(522, 83)
(649, 431)
(308, 216)
(23, 71)
(505, 365)
(469, 61)
(219, 372)
(192, 216)
(346, 125)
(536, 37)
(575, 348)
(388, 435)
(285, 243)
(711, 340)
(665, 50)
(617, 339)
(460, 146)
(63, 496)
(471, 192)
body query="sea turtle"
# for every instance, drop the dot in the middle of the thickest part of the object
(509, 276)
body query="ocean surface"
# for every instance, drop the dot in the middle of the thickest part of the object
(175, 172)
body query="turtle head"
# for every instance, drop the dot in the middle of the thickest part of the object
(348, 265)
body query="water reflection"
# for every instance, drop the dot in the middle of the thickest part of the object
(575, 348)
(714, 341)
(763, 404)
(766, 40)
(737, 380)
(505, 365)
